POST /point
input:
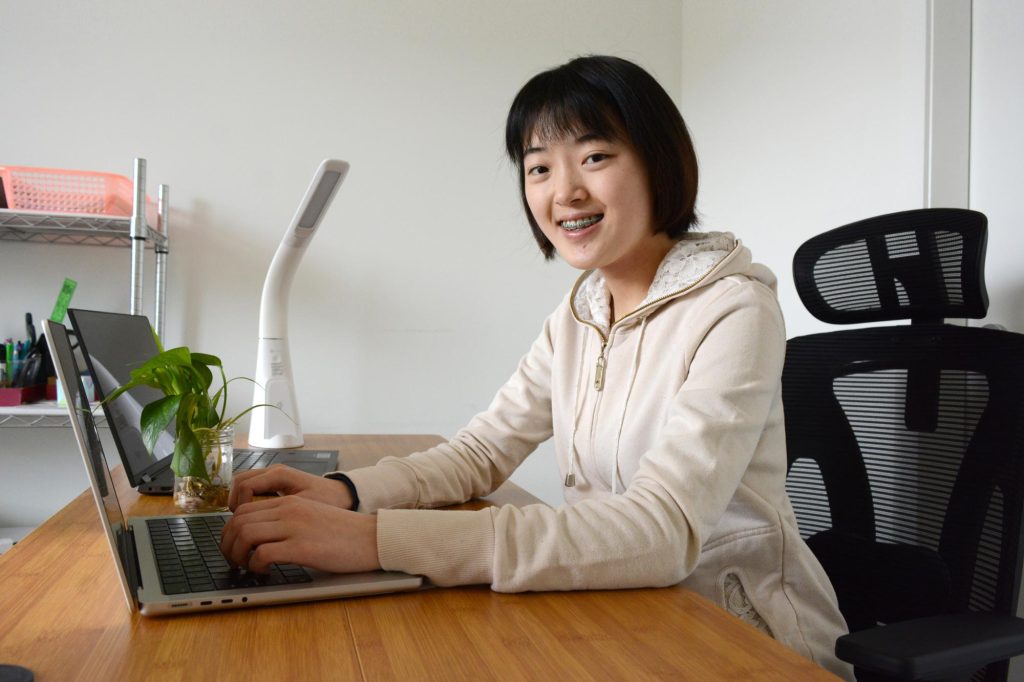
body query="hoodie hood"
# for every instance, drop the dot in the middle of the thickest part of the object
(698, 259)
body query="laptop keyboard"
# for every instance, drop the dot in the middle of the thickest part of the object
(252, 459)
(261, 459)
(188, 558)
(311, 461)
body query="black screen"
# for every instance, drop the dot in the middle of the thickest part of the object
(114, 344)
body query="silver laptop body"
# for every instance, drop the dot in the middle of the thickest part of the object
(132, 546)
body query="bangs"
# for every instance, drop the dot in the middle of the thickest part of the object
(555, 106)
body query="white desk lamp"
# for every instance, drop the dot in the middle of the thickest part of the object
(275, 385)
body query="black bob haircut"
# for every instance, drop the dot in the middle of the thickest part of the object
(614, 99)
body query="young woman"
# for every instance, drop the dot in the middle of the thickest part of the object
(658, 377)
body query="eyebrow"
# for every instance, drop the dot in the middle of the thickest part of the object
(582, 139)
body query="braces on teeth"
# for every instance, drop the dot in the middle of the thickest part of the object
(581, 223)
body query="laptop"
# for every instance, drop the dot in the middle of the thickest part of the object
(113, 344)
(172, 564)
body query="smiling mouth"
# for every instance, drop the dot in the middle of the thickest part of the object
(581, 224)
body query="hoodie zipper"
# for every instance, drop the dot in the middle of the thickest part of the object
(599, 370)
(602, 362)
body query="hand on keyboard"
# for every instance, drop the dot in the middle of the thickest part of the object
(296, 530)
(284, 480)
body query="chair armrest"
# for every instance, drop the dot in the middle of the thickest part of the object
(938, 646)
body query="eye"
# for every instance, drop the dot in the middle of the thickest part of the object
(536, 170)
(596, 157)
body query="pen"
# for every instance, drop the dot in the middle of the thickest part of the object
(19, 357)
(30, 329)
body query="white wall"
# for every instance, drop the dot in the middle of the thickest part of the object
(423, 286)
(806, 116)
(997, 151)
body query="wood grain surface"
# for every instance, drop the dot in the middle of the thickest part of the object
(63, 616)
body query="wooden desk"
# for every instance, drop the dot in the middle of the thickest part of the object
(62, 615)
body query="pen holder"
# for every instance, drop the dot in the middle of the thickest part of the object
(21, 395)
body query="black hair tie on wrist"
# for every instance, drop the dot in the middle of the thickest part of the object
(342, 478)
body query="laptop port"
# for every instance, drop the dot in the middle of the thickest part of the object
(179, 605)
(226, 601)
(205, 603)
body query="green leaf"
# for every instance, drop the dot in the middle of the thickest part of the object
(138, 378)
(206, 415)
(204, 375)
(206, 359)
(201, 363)
(155, 418)
(186, 413)
(188, 456)
(162, 371)
(176, 357)
(164, 380)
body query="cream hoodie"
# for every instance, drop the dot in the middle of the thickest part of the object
(668, 429)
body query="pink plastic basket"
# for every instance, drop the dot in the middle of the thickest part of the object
(70, 191)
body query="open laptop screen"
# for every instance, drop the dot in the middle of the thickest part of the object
(113, 345)
(84, 427)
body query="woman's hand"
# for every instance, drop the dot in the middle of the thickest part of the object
(298, 530)
(285, 480)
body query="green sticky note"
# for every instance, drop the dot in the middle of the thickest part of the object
(60, 308)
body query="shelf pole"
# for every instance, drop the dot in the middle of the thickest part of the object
(162, 249)
(138, 234)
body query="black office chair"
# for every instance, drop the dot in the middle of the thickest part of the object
(906, 446)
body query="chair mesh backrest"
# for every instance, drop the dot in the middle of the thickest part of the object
(924, 265)
(908, 435)
(913, 435)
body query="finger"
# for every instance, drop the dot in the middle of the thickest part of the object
(280, 552)
(249, 537)
(261, 505)
(237, 480)
(254, 512)
(247, 485)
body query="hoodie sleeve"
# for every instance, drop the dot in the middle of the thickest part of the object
(652, 534)
(482, 455)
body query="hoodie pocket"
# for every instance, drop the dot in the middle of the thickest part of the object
(735, 600)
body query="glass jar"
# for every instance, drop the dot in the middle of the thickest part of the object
(193, 494)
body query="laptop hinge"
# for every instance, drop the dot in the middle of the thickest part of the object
(130, 559)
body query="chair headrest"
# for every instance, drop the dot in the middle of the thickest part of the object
(924, 265)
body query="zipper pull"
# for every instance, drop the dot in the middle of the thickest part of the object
(599, 371)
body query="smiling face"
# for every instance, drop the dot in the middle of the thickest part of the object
(591, 198)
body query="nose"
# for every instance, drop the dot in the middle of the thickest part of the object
(569, 188)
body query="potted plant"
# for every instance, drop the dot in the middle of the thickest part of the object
(204, 436)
